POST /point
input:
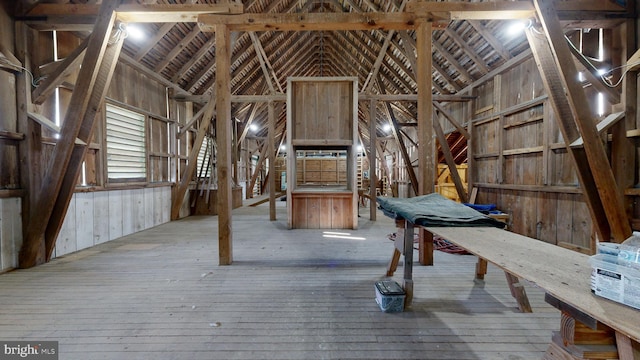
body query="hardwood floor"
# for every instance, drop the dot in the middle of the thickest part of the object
(290, 294)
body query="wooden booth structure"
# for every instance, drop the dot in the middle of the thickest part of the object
(322, 116)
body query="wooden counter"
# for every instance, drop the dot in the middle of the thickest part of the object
(323, 208)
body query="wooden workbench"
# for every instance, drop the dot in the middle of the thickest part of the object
(590, 325)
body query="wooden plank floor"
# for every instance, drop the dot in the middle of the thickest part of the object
(290, 294)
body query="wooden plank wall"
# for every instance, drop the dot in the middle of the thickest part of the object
(100, 212)
(100, 216)
(10, 202)
(319, 102)
(8, 113)
(10, 232)
(520, 161)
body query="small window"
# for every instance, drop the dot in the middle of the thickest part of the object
(206, 158)
(126, 150)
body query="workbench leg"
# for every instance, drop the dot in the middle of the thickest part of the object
(627, 348)
(408, 263)
(425, 247)
(481, 269)
(393, 264)
(518, 292)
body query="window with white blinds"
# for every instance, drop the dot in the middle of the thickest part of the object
(126, 146)
(204, 158)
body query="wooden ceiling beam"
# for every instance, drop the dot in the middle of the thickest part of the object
(381, 55)
(265, 65)
(152, 42)
(450, 160)
(61, 173)
(140, 13)
(504, 10)
(452, 60)
(54, 79)
(310, 21)
(204, 49)
(187, 175)
(414, 97)
(177, 49)
(475, 58)
(491, 39)
(394, 74)
(575, 119)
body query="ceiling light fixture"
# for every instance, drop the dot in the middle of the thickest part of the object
(519, 27)
(135, 32)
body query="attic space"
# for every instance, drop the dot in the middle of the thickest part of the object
(223, 179)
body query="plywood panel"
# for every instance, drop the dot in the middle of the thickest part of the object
(138, 208)
(128, 211)
(10, 232)
(84, 220)
(157, 206)
(66, 242)
(148, 208)
(166, 204)
(116, 212)
(100, 217)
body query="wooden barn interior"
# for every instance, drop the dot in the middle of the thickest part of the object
(260, 135)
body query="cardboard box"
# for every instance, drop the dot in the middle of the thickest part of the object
(615, 279)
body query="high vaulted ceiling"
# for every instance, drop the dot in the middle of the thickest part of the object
(466, 48)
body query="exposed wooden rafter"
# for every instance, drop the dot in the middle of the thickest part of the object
(61, 174)
(560, 78)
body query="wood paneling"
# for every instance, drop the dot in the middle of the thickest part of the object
(322, 210)
(101, 216)
(323, 110)
(10, 232)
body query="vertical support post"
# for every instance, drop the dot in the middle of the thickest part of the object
(58, 181)
(499, 126)
(426, 158)
(408, 263)
(31, 148)
(471, 161)
(373, 178)
(623, 150)
(272, 161)
(223, 137)
(426, 166)
(172, 107)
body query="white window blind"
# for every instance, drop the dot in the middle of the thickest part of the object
(204, 159)
(126, 149)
